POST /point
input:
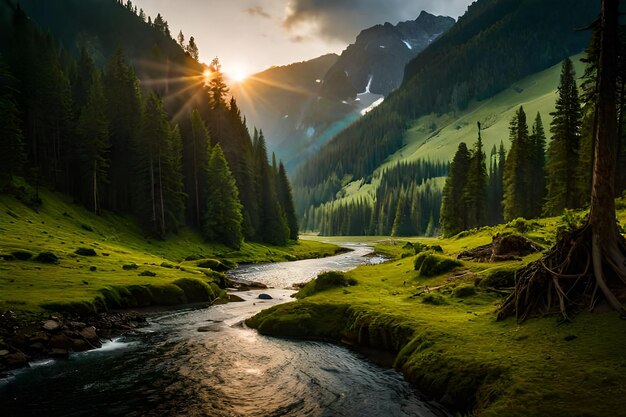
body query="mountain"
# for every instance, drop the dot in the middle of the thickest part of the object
(375, 62)
(300, 107)
(277, 98)
(495, 44)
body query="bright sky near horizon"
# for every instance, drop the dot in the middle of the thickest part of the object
(251, 35)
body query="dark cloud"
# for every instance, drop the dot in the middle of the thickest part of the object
(257, 11)
(344, 19)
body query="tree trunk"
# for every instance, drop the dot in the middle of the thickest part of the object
(152, 188)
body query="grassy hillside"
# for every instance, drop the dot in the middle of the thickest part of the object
(122, 253)
(437, 137)
(444, 335)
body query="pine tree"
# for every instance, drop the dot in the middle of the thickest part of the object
(181, 39)
(159, 187)
(475, 193)
(192, 48)
(11, 136)
(124, 115)
(201, 150)
(93, 131)
(402, 225)
(222, 220)
(517, 169)
(453, 214)
(537, 173)
(273, 228)
(563, 152)
(286, 201)
(217, 86)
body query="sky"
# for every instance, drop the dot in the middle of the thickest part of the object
(251, 35)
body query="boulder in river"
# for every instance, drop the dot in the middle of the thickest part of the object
(264, 296)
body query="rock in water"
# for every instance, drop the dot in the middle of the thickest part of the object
(265, 297)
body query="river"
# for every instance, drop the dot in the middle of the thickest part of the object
(170, 368)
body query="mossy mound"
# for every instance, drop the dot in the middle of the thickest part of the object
(47, 258)
(85, 252)
(167, 294)
(434, 299)
(464, 291)
(147, 274)
(325, 281)
(196, 290)
(430, 264)
(213, 264)
(22, 255)
(498, 278)
(130, 266)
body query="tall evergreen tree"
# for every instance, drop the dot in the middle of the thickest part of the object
(201, 151)
(453, 213)
(273, 227)
(563, 152)
(537, 173)
(517, 169)
(475, 192)
(192, 48)
(93, 131)
(222, 220)
(159, 194)
(11, 136)
(181, 39)
(286, 201)
(124, 115)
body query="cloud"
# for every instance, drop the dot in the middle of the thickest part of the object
(257, 11)
(342, 20)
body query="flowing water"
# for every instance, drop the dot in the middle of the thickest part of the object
(172, 369)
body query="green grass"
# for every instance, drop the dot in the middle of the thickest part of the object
(436, 137)
(447, 341)
(70, 232)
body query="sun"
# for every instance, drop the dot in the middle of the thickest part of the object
(237, 73)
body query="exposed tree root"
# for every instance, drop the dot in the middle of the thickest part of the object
(581, 270)
(502, 248)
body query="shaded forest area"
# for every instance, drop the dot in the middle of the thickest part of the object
(164, 143)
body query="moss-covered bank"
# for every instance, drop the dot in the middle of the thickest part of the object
(445, 338)
(63, 258)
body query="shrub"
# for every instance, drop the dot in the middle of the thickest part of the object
(429, 264)
(464, 291)
(166, 265)
(85, 252)
(22, 255)
(167, 294)
(47, 258)
(7, 257)
(325, 281)
(196, 290)
(129, 266)
(147, 274)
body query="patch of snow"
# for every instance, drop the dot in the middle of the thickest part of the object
(310, 132)
(408, 45)
(367, 88)
(382, 46)
(344, 102)
(372, 106)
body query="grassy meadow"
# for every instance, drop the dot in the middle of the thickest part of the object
(103, 258)
(443, 332)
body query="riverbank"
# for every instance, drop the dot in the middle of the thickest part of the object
(444, 336)
(64, 263)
